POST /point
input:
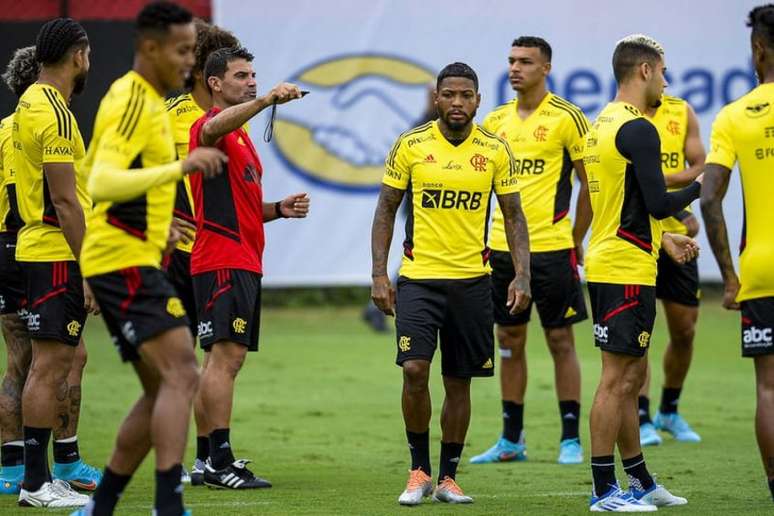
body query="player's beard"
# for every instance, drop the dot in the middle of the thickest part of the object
(79, 83)
(459, 126)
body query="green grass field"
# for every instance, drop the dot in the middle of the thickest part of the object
(318, 410)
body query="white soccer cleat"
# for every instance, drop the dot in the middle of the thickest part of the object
(419, 486)
(449, 492)
(53, 494)
(659, 496)
(617, 500)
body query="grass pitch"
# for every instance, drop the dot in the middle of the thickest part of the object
(318, 411)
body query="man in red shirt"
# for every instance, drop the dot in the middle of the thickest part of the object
(227, 255)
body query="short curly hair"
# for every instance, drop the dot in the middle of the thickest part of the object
(22, 70)
(209, 38)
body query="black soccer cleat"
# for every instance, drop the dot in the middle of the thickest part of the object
(234, 476)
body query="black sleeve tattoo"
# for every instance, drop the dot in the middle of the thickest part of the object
(516, 233)
(382, 227)
(712, 193)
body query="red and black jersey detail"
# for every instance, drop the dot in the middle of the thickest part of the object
(131, 216)
(635, 219)
(182, 204)
(486, 252)
(563, 189)
(218, 207)
(49, 212)
(13, 221)
(408, 242)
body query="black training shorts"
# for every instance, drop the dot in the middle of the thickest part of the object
(758, 327)
(623, 317)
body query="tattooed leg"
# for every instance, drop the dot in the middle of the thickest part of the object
(19, 352)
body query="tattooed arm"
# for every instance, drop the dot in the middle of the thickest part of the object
(714, 189)
(381, 236)
(518, 242)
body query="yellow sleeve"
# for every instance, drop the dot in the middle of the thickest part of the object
(488, 124)
(397, 170)
(722, 151)
(575, 128)
(505, 181)
(56, 132)
(120, 144)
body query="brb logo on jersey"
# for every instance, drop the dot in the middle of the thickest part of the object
(359, 106)
(451, 199)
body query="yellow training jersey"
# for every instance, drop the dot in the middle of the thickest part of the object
(9, 210)
(743, 133)
(132, 130)
(450, 189)
(184, 111)
(544, 145)
(625, 239)
(671, 121)
(44, 131)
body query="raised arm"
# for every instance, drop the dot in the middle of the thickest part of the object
(638, 141)
(381, 236)
(714, 189)
(234, 117)
(516, 233)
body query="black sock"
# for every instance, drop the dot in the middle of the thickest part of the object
(569, 410)
(513, 420)
(36, 457)
(220, 448)
(202, 447)
(669, 400)
(450, 459)
(66, 452)
(603, 473)
(644, 404)
(771, 487)
(108, 492)
(635, 469)
(419, 446)
(12, 454)
(169, 492)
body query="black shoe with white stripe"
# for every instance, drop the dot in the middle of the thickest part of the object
(234, 476)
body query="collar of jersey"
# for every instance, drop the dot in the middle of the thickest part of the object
(545, 99)
(442, 138)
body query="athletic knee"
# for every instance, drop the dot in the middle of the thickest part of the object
(416, 374)
(683, 337)
(511, 340)
(560, 343)
(457, 389)
(228, 361)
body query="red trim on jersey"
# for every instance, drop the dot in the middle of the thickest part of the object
(132, 231)
(559, 216)
(634, 240)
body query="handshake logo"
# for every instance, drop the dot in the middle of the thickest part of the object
(340, 135)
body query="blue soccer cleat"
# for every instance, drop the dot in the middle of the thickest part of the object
(677, 426)
(617, 500)
(570, 452)
(10, 479)
(503, 451)
(648, 435)
(78, 474)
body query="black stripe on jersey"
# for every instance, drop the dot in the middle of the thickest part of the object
(61, 128)
(132, 98)
(182, 206)
(487, 252)
(174, 102)
(13, 221)
(134, 115)
(408, 242)
(575, 114)
(49, 215)
(563, 189)
(394, 150)
(673, 100)
(575, 109)
(219, 210)
(68, 117)
(131, 216)
(634, 225)
(137, 118)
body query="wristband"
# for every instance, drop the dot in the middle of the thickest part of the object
(278, 210)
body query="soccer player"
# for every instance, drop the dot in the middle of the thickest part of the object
(545, 134)
(226, 263)
(628, 198)
(186, 109)
(132, 179)
(743, 133)
(21, 72)
(52, 200)
(451, 167)
(677, 285)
